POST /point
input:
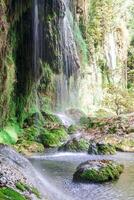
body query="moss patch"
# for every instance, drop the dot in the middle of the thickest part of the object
(72, 129)
(28, 147)
(126, 145)
(75, 145)
(24, 187)
(10, 194)
(98, 171)
(101, 149)
(53, 137)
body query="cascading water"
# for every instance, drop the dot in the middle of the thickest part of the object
(66, 81)
(36, 51)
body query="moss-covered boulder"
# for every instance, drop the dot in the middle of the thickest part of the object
(53, 137)
(101, 149)
(28, 147)
(125, 145)
(75, 145)
(98, 171)
(51, 118)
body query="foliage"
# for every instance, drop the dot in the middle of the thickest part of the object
(119, 100)
(130, 66)
(100, 16)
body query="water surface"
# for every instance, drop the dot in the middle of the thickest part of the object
(58, 169)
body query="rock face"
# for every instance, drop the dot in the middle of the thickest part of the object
(98, 171)
(101, 149)
(16, 175)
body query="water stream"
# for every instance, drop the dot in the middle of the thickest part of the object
(58, 169)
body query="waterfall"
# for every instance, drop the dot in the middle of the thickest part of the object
(66, 81)
(36, 55)
(35, 33)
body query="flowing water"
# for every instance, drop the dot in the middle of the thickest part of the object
(58, 169)
(66, 81)
(67, 121)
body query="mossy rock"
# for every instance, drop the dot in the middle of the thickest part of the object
(87, 122)
(75, 145)
(126, 145)
(97, 171)
(51, 118)
(72, 129)
(101, 149)
(53, 137)
(30, 120)
(29, 147)
(31, 133)
(7, 193)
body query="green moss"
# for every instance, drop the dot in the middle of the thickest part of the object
(28, 147)
(87, 122)
(24, 187)
(51, 118)
(75, 145)
(10, 194)
(72, 129)
(31, 133)
(106, 149)
(107, 172)
(53, 137)
(20, 186)
(101, 149)
(125, 145)
(35, 191)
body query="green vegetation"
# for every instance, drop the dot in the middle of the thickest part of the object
(24, 187)
(119, 100)
(9, 193)
(102, 149)
(105, 171)
(75, 145)
(53, 137)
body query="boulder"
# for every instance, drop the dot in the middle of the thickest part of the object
(16, 176)
(29, 147)
(75, 145)
(101, 148)
(75, 114)
(98, 171)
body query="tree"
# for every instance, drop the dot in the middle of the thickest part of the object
(119, 100)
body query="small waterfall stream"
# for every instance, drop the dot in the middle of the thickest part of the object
(66, 81)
